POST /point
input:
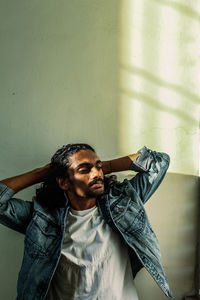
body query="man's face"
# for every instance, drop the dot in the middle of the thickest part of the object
(86, 177)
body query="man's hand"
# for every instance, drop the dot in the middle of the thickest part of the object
(119, 164)
(22, 181)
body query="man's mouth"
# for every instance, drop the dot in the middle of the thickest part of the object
(96, 183)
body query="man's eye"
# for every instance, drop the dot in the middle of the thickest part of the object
(84, 170)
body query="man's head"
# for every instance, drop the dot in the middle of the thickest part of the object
(75, 169)
(78, 171)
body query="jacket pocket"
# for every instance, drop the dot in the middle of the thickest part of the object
(130, 218)
(42, 235)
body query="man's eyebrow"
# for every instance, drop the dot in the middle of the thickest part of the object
(87, 164)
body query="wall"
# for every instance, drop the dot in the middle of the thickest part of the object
(159, 79)
(115, 74)
(59, 81)
(173, 214)
(160, 106)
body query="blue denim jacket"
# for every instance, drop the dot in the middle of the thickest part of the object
(122, 207)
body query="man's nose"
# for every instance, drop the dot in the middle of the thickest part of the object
(94, 172)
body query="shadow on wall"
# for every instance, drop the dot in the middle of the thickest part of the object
(70, 76)
(10, 261)
(183, 9)
(159, 82)
(173, 212)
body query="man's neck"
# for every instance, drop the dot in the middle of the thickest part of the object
(80, 203)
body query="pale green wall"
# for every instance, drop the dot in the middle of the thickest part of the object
(159, 79)
(59, 84)
(95, 71)
(59, 77)
(173, 214)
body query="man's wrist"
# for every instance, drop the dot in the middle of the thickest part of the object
(106, 167)
(119, 164)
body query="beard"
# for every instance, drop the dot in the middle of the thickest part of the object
(90, 193)
(93, 194)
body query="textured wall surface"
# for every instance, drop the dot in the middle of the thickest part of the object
(159, 79)
(115, 74)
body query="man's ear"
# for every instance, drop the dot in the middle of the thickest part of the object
(63, 183)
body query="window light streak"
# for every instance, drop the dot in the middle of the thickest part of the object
(157, 106)
(130, 132)
(131, 14)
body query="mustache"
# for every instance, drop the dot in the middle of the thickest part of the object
(96, 180)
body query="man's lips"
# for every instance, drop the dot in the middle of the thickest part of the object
(96, 182)
(97, 185)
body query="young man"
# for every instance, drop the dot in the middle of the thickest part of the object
(86, 234)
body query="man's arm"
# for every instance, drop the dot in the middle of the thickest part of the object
(16, 213)
(22, 181)
(119, 164)
(150, 165)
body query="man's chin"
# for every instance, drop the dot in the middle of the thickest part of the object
(100, 192)
(95, 193)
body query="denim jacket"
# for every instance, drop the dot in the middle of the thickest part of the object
(122, 207)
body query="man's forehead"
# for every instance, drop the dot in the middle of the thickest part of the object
(83, 156)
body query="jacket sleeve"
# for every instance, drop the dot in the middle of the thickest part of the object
(14, 213)
(151, 167)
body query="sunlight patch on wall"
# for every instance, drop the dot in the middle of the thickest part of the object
(129, 32)
(160, 94)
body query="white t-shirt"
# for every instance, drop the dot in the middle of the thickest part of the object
(94, 262)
